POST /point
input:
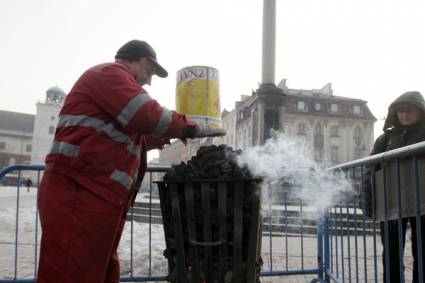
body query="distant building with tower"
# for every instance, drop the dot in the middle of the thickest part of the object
(46, 119)
(27, 138)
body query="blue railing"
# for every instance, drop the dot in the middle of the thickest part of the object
(344, 246)
(392, 185)
(289, 247)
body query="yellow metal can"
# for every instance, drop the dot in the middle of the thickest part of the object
(198, 95)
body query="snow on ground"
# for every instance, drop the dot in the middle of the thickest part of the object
(27, 249)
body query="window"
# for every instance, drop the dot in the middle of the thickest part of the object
(51, 130)
(334, 131)
(318, 129)
(356, 109)
(318, 141)
(318, 154)
(317, 106)
(358, 132)
(300, 106)
(2, 145)
(358, 135)
(28, 148)
(334, 154)
(334, 108)
(301, 129)
(318, 137)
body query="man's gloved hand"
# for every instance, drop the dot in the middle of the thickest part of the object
(201, 130)
(204, 130)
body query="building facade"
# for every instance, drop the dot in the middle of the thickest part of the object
(337, 129)
(16, 131)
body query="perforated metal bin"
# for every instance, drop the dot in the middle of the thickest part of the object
(212, 230)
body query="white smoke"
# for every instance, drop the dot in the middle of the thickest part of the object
(285, 162)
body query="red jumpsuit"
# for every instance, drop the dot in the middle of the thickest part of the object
(93, 171)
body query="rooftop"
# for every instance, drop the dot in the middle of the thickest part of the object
(15, 121)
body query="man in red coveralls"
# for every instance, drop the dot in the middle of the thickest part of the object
(97, 162)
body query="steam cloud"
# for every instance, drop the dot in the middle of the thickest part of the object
(286, 162)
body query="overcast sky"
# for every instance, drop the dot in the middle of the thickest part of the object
(371, 50)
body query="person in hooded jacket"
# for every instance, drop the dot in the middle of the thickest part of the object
(405, 125)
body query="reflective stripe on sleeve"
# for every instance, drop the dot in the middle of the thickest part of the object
(134, 149)
(122, 178)
(100, 126)
(65, 148)
(164, 123)
(131, 108)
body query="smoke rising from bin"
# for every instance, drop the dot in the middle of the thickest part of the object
(286, 162)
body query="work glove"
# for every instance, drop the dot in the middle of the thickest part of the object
(200, 130)
(204, 130)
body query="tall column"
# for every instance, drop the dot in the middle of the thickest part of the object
(269, 41)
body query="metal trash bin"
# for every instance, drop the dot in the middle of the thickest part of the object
(212, 230)
(407, 189)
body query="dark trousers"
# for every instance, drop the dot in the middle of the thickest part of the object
(393, 248)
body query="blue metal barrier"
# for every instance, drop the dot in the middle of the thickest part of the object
(290, 229)
(396, 178)
(344, 246)
(19, 169)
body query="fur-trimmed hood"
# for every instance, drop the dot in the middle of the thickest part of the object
(413, 98)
